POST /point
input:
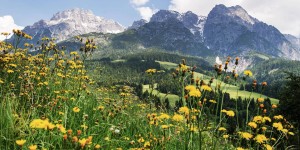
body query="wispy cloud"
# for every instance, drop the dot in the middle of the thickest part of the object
(144, 11)
(139, 2)
(7, 24)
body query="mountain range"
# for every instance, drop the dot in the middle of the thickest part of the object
(69, 23)
(225, 31)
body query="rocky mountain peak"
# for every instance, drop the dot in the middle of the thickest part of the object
(236, 13)
(163, 15)
(75, 13)
(137, 24)
(72, 22)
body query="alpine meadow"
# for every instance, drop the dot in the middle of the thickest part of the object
(172, 80)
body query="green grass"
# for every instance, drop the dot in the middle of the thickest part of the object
(172, 97)
(231, 89)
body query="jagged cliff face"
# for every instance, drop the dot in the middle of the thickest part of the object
(294, 40)
(69, 23)
(190, 20)
(137, 24)
(173, 31)
(231, 30)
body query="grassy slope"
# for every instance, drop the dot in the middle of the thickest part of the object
(231, 89)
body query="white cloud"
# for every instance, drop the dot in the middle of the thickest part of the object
(139, 2)
(7, 24)
(284, 15)
(146, 12)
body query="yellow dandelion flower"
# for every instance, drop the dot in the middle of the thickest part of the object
(258, 119)
(222, 129)
(20, 142)
(147, 144)
(10, 71)
(252, 125)
(84, 126)
(13, 65)
(195, 93)
(260, 100)
(213, 101)
(151, 71)
(32, 147)
(178, 118)
(163, 116)
(246, 135)
(248, 73)
(190, 88)
(266, 119)
(97, 146)
(260, 138)
(39, 124)
(76, 109)
(164, 126)
(206, 88)
(73, 53)
(141, 140)
(278, 126)
(291, 133)
(184, 110)
(285, 131)
(240, 148)
(225, 136)
(268, 147)
(82, 142)
(278, 117)
(193, 129)
(229, 113)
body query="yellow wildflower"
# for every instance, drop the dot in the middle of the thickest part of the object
(268, 147)
(151, 71)
(206, 88)
(184, 110)
(252, 125)
(178, 118)
(278, 126)
(222, 129)
(260, 138)
(225, 136)
(258, 119)
(163, 116)
(246, 135)
(213, 101)
(278, 117)
(141, 140)
(248, 73)
(39, 124)
(229, 113)
(291, 133)
(10, 71)
(164, 126)
(147, 144)
(82, 142)
(32, 147)
(195, 93)
(76, 109)
(190, 88)
(97, 146)
(260, 100)
(20, 142)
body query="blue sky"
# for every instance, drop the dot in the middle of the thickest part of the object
(26, 12)
(283, 14)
